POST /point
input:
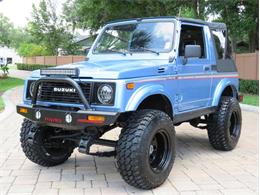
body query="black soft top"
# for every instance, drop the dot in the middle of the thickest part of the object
(211, 25)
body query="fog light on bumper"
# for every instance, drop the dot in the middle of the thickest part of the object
(68, 118)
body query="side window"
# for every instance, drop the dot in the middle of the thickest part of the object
(192, 35)
(220, 42)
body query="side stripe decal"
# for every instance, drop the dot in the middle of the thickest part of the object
(187, 78)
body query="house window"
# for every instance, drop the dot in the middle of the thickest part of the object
(9, 60)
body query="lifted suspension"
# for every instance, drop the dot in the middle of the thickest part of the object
(84, 140)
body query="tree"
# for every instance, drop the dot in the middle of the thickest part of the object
(11, 36)
(241, 18)
(49, 30)
(32, 49)
(6, 27)
(91, 14)
(251, 17)
(19, 36)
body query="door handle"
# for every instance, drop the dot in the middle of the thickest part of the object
(206, 68)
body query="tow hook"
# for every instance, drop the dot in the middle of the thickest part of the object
(30, 138)
(86, 142)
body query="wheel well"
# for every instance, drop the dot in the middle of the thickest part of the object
(157, 102)
(230, 91)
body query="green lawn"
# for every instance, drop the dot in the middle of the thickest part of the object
(251, 100)
(1, 104)
(6, 84)
(9, 83)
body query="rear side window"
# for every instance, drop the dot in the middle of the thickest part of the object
(220, 42)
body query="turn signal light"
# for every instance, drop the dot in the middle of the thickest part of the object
(130, 85)
(96, 118)
(92, 119)
(23, 110)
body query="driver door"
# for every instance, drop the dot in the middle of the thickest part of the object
(194, 76)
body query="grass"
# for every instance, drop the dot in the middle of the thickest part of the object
(6, 84)
(1, 103)
(251, 100)
(9, 83)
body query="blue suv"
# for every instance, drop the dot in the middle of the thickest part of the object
(144, 76)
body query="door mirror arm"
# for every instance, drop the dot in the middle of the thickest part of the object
(185, 60)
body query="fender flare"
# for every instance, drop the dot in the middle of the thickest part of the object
(223, 84)
(143, 92)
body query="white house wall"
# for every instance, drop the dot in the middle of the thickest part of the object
(6, 52)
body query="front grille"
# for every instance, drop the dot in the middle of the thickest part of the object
(47, 93)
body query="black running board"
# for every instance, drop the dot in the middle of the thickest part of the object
(183, 117)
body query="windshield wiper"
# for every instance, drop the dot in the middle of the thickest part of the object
(145, 49)
(115, 51)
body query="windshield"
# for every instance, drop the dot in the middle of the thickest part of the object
(141, 37)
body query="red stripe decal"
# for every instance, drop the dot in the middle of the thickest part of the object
(189, 78)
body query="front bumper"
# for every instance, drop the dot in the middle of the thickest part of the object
(72, 120)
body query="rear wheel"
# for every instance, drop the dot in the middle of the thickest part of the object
(43, 151)
(146, 149)
(225, 125)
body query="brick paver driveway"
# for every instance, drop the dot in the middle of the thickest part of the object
(198, 168)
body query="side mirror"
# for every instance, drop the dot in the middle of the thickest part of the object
(191, 51)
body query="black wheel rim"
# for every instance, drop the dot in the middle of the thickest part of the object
(234, 125)
(159, 151)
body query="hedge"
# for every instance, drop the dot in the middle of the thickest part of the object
(30, 67)
(249, 86)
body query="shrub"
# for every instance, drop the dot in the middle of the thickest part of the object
(249, 86)
(5, 70)
(31, 49)
(30, 67)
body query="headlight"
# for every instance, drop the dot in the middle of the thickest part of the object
(105, 94)
(31, 88)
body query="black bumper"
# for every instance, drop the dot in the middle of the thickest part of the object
(57, 118)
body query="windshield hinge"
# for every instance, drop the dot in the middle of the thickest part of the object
(175, 68)
(171, 59)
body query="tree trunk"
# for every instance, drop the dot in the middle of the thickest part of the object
(253, 37)
(196, 8)
(233, 44)
(252, 41)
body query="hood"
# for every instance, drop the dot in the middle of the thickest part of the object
(116, 69)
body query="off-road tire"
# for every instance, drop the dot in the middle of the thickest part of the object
(224, 126)
(133, 148)
(36, 152)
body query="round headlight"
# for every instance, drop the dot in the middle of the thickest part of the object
(31, 88)
(105, 94)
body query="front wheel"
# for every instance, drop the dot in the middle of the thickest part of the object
(224, 127)
(43, 151)
(146, 149)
